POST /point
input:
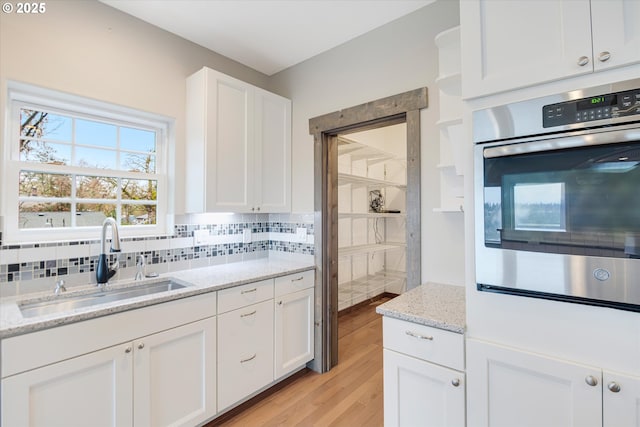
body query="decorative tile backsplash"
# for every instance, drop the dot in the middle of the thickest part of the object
(275, 232)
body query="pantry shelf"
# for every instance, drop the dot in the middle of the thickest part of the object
(348, 251)
(344, 178)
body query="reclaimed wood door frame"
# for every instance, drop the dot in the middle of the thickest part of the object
(401, 108)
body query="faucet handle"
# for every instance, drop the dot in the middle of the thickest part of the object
(141, 268)
(60, 287)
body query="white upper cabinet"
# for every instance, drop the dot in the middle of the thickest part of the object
(238, 153)
(512, 44)
(272, 152)
(616, 32)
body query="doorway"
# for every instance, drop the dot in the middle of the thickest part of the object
(372, 184)
(405, 109)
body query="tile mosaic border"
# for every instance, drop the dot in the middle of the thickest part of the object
(52, 266)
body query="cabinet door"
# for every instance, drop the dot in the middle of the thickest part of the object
(621, 400)
(511, 44)
(90, 390)
(175, 375)
(245, 352)
(293, 331)
(507, 387)
(616, 32)
(272, 152)
(421, 393)
(229, 169)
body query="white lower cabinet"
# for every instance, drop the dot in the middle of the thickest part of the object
(508, 387)
(262, 339)
(294, 312)
(418, 390)
(163, 379)
(90, 390)
(620, 400)
(421, 393)
(245, 352)
(169, 364)
(174, 376)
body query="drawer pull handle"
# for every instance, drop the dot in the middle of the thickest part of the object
(614, 387)
(248, 291)
(140, 346)
(249, 359)
(455, 382)
(249, 314)
(422, 337)
(128, 349)
(591, 380)
(298, 279)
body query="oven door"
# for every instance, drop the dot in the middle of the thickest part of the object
(560, 217)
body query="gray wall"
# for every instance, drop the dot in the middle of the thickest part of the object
(93, 50)
(395, 58)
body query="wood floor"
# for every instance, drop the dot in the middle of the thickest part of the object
(349, 395)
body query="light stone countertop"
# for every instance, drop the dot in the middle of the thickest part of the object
(432, 304)
(198, 281)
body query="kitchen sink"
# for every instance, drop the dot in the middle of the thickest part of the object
(66, 303)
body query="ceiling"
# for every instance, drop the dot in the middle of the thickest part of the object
(268, 35)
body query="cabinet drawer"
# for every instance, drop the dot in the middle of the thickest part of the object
(295, 282)
(245, 352)
(242, 296)
(431, 344)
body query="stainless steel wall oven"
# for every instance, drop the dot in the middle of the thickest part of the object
(557, 190)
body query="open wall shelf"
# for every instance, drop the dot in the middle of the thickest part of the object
(452, 138)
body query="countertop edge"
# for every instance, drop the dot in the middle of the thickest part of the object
(421, 320)
(432, 304)
(25, 325)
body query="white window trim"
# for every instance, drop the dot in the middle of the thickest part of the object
(21, 94)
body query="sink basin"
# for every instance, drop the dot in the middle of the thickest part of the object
(62, 303)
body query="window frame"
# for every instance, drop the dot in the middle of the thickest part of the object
(21, 95)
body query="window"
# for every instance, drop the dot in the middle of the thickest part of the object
(539, 207)
(73, 162)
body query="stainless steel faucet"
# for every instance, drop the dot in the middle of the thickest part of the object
(103, 272)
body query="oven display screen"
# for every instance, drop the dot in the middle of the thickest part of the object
(597, 101)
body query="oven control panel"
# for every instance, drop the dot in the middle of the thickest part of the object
(599, 107)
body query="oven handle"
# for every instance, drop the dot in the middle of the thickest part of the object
(600, 138)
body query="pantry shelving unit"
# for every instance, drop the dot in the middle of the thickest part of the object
(371, 244)
(450, 126)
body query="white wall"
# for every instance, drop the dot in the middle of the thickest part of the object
(89, 49)
(395, 58)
